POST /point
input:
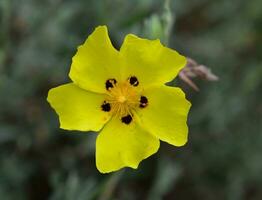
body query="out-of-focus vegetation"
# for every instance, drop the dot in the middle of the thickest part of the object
(222, 159)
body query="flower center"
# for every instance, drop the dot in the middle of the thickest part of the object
(123, 98)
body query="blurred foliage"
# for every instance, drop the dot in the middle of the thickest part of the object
(222, 159)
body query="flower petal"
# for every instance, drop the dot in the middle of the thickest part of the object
(78, 109)
(166, 114)
(120, 145)
(95, 62)
(150, 61)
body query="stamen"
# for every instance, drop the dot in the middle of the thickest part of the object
(133, 81)
(127, 119)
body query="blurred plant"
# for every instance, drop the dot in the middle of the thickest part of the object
(222, 159)
(160, 25)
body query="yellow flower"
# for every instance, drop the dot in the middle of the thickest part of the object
(123, 95)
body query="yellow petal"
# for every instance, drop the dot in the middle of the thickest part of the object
(95, 62)
(166, 114)
(150, 61)
(120, 145)
(78, 109)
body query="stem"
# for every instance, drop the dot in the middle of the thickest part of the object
(111, 185)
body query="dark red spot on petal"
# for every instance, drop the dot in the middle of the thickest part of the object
(143, 102)
(106, 106)
(110, 83)
(133, 81)
(127, 119)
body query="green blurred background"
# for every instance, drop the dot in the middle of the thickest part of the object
(222, 159)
